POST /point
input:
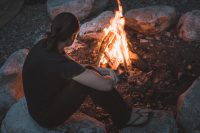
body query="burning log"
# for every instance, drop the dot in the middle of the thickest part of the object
(104, 44)
(126, 62)
(114, 46)
(108, 44)
(113, 63)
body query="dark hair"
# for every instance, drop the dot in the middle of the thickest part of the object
(63, 27)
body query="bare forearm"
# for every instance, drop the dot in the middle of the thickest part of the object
(104, 72)
(94, 80)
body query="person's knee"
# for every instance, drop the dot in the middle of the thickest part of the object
(109, 86)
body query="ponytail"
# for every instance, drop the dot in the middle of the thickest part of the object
(51, 41)
(63, 27)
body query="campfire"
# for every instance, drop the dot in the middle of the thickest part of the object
(114, 51)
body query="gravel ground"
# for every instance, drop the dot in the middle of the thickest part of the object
(33, 21)
(22, 31)
(166, 68)
(181, 5)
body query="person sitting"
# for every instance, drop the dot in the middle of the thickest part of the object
(55, 85)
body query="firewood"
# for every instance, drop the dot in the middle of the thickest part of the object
(127, 63)
(104, 43)
(111, 45)
(113, 63)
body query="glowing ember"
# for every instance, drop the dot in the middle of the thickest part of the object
(115, 50)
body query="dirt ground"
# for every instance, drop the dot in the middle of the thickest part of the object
(166, 68)
(33, 20)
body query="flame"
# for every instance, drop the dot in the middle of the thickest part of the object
(118, 53)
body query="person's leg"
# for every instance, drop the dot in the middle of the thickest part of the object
(70, 99)
(64, 105)
(113, 103)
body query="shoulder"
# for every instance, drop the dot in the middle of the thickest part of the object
(71, 68)
(41, 44)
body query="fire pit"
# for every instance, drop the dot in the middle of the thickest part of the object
(156, 57)
(153, 69)
(114, 49)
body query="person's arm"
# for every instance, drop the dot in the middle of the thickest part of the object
(84, 76)
(94, 80)
(103, 72)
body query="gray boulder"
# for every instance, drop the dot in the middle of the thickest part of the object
(94, 28)
(18, 120)
(189, 26)
(150, 20)
(160, 122)
(188, 109)
(81, 8)
(11, 88)
(39, 37)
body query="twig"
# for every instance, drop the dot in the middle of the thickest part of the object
(106, 42)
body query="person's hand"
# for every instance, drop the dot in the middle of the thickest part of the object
(111, 81)
(108, 72)
(104, 72)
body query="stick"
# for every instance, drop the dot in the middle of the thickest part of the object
(126, 63)
(112, 62)
(106, 41)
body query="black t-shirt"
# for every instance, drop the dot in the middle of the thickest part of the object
(45, 73)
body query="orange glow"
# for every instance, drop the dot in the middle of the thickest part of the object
(117, 53)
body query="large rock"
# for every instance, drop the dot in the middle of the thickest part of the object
(160, 122)
(18, 120)
(75, 46)
(94, 28)
(39, 37)
(189, 26)
(150, 20)
(188, 109)
(11, 87)
(81, 8)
